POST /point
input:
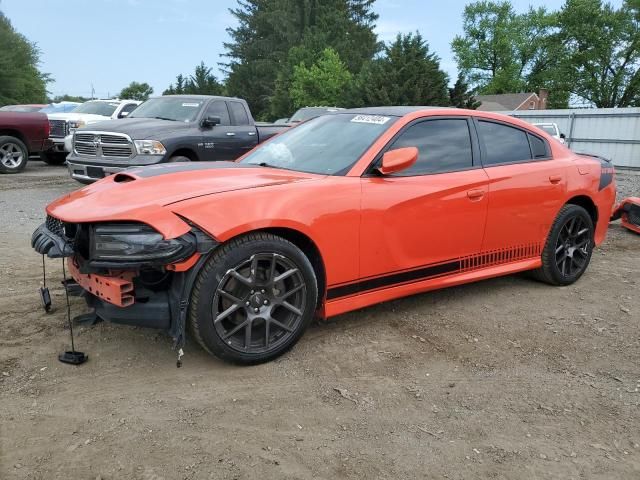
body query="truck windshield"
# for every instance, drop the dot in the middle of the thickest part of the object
(328, 145)
(105, 109)
(178, 109)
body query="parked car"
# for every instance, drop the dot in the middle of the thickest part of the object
(21, 134)
(61, 107)
(307, 113)
(553, 130)
(22, 108)
(64, 124)
(341, 212)
(171, 128)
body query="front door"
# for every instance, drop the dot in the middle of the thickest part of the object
(420, 223)
(218, 142)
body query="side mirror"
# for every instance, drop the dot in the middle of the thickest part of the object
(123, 114)
(210, 121)
(397, 160)
(562, 135)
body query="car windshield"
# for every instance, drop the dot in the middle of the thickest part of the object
(60, 108)
(179, 109)
(105, 109)
(309, 112)
(328, 145)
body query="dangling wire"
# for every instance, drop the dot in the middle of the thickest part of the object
(44, 274)
(66, 294)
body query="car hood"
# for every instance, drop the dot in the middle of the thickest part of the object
(87, 117)
(140, 194)
(140, 128)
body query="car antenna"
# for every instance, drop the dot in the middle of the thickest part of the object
(73, 357)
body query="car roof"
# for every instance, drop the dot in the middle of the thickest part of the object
(397, 111)
(199, 97)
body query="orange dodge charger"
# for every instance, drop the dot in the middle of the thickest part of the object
(341, 212)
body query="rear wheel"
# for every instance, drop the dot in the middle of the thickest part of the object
(567, 253)
(53, 158)
(253, 299)
(13, 155)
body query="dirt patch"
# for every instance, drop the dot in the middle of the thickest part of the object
(507, 378)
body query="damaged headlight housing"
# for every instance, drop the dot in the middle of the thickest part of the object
(133, 243)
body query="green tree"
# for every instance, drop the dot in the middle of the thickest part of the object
(136, 91)
(407, 74)
(501, 51)
(460, 96)
(202, 82)
(20, 79)
(324, 83)
(601, 52)
(67, 98)
(274, 36)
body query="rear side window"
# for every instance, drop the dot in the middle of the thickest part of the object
(129, 107)
(503, 144)
(239, 113)
(444, 146)
(218, 109)
(539, 147)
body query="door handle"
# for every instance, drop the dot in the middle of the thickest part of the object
(252, 133)
(475, 194)
(231, 134)
(555, 179)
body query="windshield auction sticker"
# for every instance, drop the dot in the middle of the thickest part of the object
(190, 104)
(375, 119)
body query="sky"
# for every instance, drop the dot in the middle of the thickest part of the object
(109, 43)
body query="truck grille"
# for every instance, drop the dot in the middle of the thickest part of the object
(97, 144)
(58, 128)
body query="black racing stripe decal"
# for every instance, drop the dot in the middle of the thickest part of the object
(606, 175)
(393, 279)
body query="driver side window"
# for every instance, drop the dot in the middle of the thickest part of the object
(444, 145)
(218, 109)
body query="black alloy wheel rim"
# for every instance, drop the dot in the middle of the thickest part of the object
(259, 304)
(572, 246)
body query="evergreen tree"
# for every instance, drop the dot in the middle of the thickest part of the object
(273, 36)
(20, 79)
(407, 74)
(202, 82)
(460, 96)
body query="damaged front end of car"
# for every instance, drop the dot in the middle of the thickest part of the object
(128, 272)
(628, 211)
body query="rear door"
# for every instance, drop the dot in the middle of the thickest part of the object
(419, 223)
(245, 134)
(526, 188)
(218, 142)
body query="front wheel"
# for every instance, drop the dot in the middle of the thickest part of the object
(13, 155)
(568, 250)
(254, 299)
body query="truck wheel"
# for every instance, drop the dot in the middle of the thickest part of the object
(567, 253)
(179, 158)
(13, 155)
(53, 158)
(253, 299)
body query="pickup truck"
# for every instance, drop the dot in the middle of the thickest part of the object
(21, 134)
(171, 128)
(64, 124)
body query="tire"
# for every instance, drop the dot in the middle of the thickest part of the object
(228, 300)
(567, 253)
(179, 158)
(53, 158)
(13, 155)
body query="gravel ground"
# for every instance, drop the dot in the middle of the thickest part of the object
(506, 378)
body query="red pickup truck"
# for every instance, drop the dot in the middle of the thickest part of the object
(21, 134)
